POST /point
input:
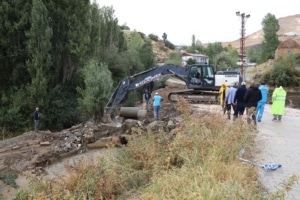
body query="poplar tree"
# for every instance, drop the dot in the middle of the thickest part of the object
(39, 47)
(270, 43)
(96, 91)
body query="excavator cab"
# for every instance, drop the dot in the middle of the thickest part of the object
(200, 77)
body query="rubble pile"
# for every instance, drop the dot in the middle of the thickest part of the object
(33, 151)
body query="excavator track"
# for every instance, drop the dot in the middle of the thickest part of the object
(195, 96)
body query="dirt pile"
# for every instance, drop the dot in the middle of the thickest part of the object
(31, 150)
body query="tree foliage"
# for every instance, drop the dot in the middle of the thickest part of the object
(174, 58)
(214, 49)
(44, 47)
(39, 46)
(146, 54)
(223, 61)
(96, 91)
(270, 43)
(285, 70)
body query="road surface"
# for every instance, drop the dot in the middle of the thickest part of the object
(279, 142)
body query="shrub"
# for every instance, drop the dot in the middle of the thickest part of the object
(9, 178)
(284, 71)
(153, 37)
(169, 45)
(199, 163)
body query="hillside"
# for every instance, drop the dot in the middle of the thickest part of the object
(161, 51)
(289, 28)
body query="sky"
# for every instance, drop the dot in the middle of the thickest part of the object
(208, 20)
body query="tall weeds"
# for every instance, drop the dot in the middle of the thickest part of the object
(199, 163)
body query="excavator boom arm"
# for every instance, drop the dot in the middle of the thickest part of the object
(140, 79)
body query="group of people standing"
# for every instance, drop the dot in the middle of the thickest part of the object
(253, 100)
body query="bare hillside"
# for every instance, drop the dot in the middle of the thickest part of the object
(161, 51)
(289, 28)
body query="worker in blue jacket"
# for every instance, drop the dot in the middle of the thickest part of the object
(156, 105)
(261, 104)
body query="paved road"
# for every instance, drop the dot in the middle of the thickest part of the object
(279, 142)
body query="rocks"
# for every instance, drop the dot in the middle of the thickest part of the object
(31, 149)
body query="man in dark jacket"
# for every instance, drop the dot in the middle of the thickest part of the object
(239, 100)
(147, 97)
(252, 97)
(36, 118)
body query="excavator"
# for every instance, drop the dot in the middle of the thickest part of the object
(202, 83)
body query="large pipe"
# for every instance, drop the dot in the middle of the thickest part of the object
(132, 112)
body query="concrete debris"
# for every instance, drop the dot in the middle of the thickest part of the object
(47, 143)
(79, 138)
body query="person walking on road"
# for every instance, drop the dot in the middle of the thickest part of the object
(278, 102)
(156, 105)
(36, 118)
(229, 99)
(239, 100)
(251, 98)
(222, 93)
(261, 104)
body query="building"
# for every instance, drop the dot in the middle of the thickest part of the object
(199, 58)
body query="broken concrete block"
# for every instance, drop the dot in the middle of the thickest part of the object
(47, 143)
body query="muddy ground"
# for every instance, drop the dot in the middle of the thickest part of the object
(34, 152)
(30, 153)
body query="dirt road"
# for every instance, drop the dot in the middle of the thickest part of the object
(279, 142)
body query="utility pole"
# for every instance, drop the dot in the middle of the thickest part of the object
(242, 55)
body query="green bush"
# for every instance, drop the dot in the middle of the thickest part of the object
(284, 71)
(169, 45)
(153, 37)
(9, 178)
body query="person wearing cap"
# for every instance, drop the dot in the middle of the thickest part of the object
(278, 102)
(239, 100)
(156, 105)
(261, 104)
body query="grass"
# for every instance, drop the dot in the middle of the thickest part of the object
(9, 178)
(199, 163)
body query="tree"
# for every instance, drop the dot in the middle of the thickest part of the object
(96, 90)
(232, 51)
(14, 22)
(146, 54)
(39, 47)
(193, 47)
(214, 49)
(254, 55)
(224, 61)
(175, 58)
(191, 61)
(271, 41)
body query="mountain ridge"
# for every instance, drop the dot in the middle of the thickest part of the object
(289, 28)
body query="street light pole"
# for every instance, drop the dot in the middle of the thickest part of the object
(243, 17)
